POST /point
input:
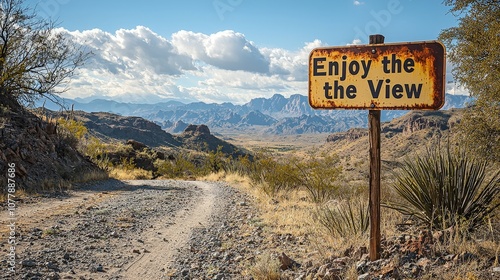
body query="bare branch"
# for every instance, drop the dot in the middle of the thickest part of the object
(35, 59)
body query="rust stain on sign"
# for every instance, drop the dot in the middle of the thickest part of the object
(376, 77)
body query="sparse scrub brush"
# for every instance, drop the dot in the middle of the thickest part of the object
(71, 131)
(319, 174)
(181, 167)
(273, 176)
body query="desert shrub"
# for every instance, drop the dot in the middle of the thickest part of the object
(344, 218)
(241, 165)
(96, 150)
(272, 175)
(70, 131)
(181, 167)
(215, 161)
(319, 174)
(127, 164)
(266, 268)
(446, 188)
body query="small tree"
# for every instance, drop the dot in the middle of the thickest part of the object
(35, 59)
(474, 48)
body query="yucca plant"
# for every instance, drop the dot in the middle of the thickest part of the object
(443, 187)
(345, 218)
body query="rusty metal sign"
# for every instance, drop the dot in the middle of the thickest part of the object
(399, 76)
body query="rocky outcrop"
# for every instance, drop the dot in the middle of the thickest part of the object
(418, 122)
(406, 125)
(198, 137)
(136, 145)
(197, 130)
(350, 135)
(44, 159)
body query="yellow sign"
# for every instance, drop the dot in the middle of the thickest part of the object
(377, 77)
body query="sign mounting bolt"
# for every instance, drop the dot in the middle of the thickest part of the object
(374, 51)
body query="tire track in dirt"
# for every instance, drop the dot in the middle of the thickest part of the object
(164, 240)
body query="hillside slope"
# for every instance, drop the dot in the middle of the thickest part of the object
(112, 127)
(43, 158)
(403, 136)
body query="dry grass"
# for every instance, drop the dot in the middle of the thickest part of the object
(467, 271)
(95, 175)
(292, 213)
(130, 174)
(50, 185)
(20, 193)
(288, 212)
(265, 268)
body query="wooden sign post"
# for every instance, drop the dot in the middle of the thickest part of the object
(374, 203)
(375, 77)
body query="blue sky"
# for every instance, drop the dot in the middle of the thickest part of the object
(224, 50)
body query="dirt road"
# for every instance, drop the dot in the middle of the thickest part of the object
(119, 230)
(164, 240)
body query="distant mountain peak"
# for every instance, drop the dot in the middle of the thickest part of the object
(279, 114)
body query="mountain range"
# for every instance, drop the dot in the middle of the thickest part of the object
(275, 115)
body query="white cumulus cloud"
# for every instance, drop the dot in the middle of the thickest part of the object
(140, 65)
(227, 50)
(136, 49)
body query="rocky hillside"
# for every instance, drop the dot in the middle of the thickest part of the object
(44, 159)
(406, 125)
(403, 136)
(198, 137)
(111, 127)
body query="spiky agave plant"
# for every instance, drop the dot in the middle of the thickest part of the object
(346, 218)
(443, 187)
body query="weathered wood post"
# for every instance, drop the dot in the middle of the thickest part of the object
(374, 202)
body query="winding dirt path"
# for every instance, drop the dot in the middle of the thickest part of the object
(163, 240)
(110, 230)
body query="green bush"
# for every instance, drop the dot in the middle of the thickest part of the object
(96, 150)
(71, 131)
(273, 175)
(318, 174)
(242, 165)
(215, 161)
(181, 167)
(444, 188)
